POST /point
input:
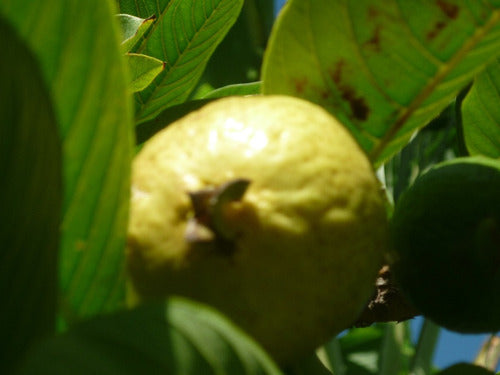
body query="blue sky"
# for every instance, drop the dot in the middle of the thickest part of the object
(452, 347)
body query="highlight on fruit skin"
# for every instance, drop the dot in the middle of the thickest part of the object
(264, 207)
(446, 236)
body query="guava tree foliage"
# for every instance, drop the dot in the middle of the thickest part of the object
(416, 82)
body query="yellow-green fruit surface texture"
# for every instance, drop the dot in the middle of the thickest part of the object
(310, 231)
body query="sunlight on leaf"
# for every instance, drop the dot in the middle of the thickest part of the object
(489, 354)
(184, 35)
(143, 70)
(133, 28)
(78, 48)
(481, 113)
(384, 69)
(252, 88)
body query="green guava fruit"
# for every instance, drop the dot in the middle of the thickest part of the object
(264, 207)
(446, 236)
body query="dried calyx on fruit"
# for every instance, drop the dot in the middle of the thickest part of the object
(209, 207)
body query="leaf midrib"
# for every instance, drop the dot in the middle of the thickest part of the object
(172, 68)
(443, 70)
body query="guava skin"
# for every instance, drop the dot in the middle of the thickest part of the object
(309, 232)
(446, 236)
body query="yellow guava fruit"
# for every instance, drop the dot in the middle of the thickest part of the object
(264, 207)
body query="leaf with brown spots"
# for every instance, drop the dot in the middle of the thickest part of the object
(451, 10)
(384, 69)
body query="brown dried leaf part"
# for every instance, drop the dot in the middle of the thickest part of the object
(489, 355)
(387, 304)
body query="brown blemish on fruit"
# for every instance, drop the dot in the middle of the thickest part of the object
(359, 108)
(451, 10)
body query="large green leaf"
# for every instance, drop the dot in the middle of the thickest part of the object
(78, 47)
(481, 113)
(180, 337)
(30, 200)
(385, 68)
(185, 34)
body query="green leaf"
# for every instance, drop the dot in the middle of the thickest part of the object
(465, 369)
(360, 350)
(384, 69)
(331, 356)
(379, 349)
(179, 337)
(147, 129)
(133, 29)
(78, 47)
(238, 58)
(481, 113)
(395, 350)
(143, 70)
(435, 143)
(184, 36)
(30, 200)
(252, 88)
(425, 349)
